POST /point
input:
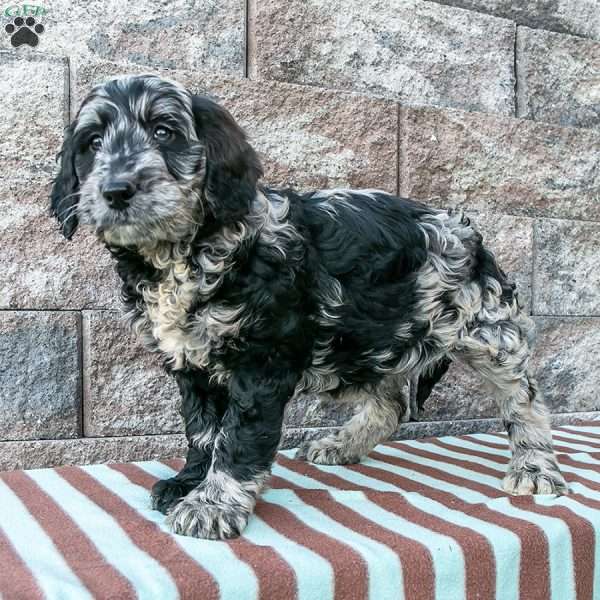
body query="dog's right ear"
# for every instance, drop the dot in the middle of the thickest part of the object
(65, 188)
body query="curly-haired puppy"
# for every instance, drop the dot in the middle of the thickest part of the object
(252, 295)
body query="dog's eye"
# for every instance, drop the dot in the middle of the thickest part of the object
(162, 134)
(96, 143)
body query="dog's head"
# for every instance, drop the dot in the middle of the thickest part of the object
(145, 161)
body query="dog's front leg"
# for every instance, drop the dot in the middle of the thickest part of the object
(202, 424)
(244, 450)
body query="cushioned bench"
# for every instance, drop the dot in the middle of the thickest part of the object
(417, 519)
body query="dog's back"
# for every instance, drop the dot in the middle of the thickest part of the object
(396, 284)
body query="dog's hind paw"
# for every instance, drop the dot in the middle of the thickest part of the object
(534, 475)
(326, 452)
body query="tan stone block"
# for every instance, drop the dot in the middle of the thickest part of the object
(501, 165)
(41, 269)
(558, 78)
(414, 52)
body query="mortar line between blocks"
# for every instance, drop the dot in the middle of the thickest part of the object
(515, 73)
(398, 149)
(534, 241)
(81, 358)
(250, 46)
(85, 366)
(67, 88)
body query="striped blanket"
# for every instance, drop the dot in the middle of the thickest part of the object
(421, 519)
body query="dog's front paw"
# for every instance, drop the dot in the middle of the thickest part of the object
(534, 474)
(197, 517)
(168, 492)
(218, 508)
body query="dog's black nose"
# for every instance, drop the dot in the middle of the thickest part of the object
(118, 192)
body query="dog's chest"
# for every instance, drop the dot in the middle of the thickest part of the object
(185, 331)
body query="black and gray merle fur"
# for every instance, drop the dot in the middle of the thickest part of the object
(253, 294)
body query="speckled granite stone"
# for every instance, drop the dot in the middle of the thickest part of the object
(200, 34)
(415, 52)
(41, 269)
(126, 389)
(559, 78)
(566, 276)
(34, 102)
(40, 387)
(51, 453)
(500, 165)
(579, 17)
(567, 361)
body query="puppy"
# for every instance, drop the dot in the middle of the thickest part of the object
(252, 295)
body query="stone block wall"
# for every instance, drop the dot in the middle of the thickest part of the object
(490, 106)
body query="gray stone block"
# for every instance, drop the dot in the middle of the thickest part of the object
(579, 17)
(566, 361)
(126, 389)
(448, 426)
(40, 375)
(307, 137)
(178, 33)
(84, 451)
(558, 78)
(415, 52)
(566, 279)
(501, 165)
(426, 429)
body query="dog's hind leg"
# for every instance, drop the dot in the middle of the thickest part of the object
(498, 348)
(380, 408)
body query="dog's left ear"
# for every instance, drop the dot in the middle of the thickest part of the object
(232, 166)
(64, 195)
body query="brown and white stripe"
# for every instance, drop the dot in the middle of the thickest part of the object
(422, 520)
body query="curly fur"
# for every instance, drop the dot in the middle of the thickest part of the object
(252, 295)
